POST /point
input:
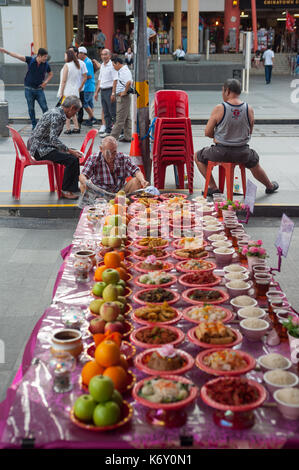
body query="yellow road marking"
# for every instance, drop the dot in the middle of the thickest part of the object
(38, 205)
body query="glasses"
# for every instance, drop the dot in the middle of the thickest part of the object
(282, 316)
(262, 283)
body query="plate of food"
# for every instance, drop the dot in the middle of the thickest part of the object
(236, 394)
(214, 334)
(146, 252)
(190, 253)
(156, 313)
(155, 278)
(205, 295)
(199, 279)
(195, 265)
(126, 414)
(164, 360)
(157, 295)
(143, 195)
(151, 242)
(189, 243)
(153, 264)
(170, 392)
(198, 313)
(165, 196)
(148, 337)
(226, 362)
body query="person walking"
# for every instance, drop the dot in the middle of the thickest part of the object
(123, 101)
(129, 57)
(230, 126)
(107, 84)
(35, 80)
(268, 57)
(100, 40)
(150, 34)
(89, 87)
(44, 144)
(81, 96)
(69, 85)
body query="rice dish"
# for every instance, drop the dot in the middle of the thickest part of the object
(223, 250)
(237, 284)
(221, 243)
(274, 361)
(216, 237)
(212, 227)
(254, 323)
(289, 396)
(234, 268)
(244, 300)
(251, 312)
(279, 377)
(234, 276)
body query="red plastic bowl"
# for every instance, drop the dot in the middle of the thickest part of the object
(176, 245)
(166, 196)
(180, 336)
(153, 286)
(193, 338)
(142, 258)
(139, 363)
(136, 298)
(148, 323)
(189, 284)
(240, 408)
(135, 198)
(251, 363)
(126, 416)
(140, 247)
(180, 267)
(166, 267)
(166, 406)
(227, 318)
(181, 258)
(186, 294)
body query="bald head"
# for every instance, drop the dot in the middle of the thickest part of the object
(106, 55)
(109, 149)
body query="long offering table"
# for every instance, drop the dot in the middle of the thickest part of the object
(33, 409)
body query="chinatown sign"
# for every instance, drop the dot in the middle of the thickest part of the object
(266, 4)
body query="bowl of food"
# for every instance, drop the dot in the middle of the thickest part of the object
(198, 313)
(164, 360)
(277, 379)
(251, 312)
(126, 414)
(199, 279)
(157, 295)
(146, 252)
(214, 334)
(169, 393)
(189, 243)
(210, 230)
(204, 295)
(235, 394)
(273, 361)
(144, 195)
(224, 255)
(287, 400)
(238, 276)
(156, 313)
(254, 328)
(166, 196)
(188, 253)
(217, 237)
(242, 301)
(153, 264)
(195, 265)
(222, 243)
(238, 287)
(234, 268)
(154, 336)
(225, 362)
(155, 278)
(151, 242)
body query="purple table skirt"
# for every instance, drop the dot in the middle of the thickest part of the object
(31, 406)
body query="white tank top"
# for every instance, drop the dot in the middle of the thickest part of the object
(234, 128)
(73, 80)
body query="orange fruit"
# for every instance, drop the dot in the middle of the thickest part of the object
(98, 273)
(122, 255)
(112, 259)
(122, 273)
(118, 375)
(123, 362)
(107, 353)
(89, 370)
(117, 209)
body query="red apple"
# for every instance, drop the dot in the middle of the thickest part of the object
(116, 326)
(109, 311)
(97, 325)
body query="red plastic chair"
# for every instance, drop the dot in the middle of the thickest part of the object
(24, 159)
(171, 104)
(226, 172)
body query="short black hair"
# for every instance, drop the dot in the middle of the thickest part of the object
(233, 85)
(117, 60)
(42, 51)
(75, 49)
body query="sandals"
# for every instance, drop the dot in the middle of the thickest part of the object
(272, 190)
(69, 195)
(75, 131)
(68, 132)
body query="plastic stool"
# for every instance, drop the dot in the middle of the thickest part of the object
(226, 171)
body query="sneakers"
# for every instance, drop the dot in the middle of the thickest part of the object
(122, 139)
(272, 190)
(68, 132)
(102, 129)
(88, 123)
(76, 131)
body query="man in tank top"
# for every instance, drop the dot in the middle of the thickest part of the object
(230, 126)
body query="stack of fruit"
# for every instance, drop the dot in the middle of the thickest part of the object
(115, 228)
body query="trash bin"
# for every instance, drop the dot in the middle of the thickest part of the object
(4, 132)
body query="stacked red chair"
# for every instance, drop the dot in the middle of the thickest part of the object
(173, 143)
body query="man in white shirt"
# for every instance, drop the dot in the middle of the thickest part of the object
(179, 54)
(123, 101)
(107, 84)
(268, 63)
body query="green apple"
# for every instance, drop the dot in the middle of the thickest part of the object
(98, 288)
(107, 230)
(116, 396)
(122, 299)
(120, 289)
(121, 282)
(84, 407)
(114, 242)
(110, 293)
(110, 276)
(106, 414)
(101, 388)
(105, 241)
(95, 305)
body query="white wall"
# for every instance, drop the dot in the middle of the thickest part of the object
(55, 31)
(16, 30)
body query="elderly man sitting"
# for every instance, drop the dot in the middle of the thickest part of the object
(109, 170)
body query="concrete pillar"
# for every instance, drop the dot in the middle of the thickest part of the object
(106, 21)
(192, 26)
(177, 23)
(69, 23)
(232, 19)
(39, 26)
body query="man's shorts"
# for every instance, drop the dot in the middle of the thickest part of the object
(88, 99)
(221, 153)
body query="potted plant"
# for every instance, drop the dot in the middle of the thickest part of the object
(254, 253)
(292, 327)
(227, 207)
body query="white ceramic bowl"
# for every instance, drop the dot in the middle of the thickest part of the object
(238, 276)
(220, 236)
(211, 231)
(242, 313)
(265, 368)
(236, 291)
(241, 269)
(237, 306)
(272, 387)
(224, 255)
(287, 410)
(254, 334)
(220, 243)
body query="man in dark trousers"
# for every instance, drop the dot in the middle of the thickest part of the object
(107, 84)
(35, 80)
